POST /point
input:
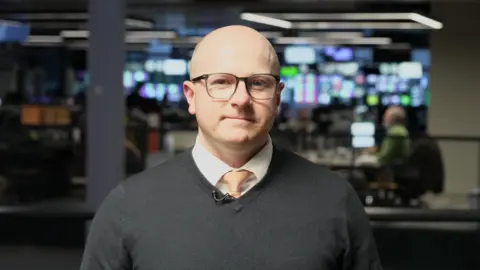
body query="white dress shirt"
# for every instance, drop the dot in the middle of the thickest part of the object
(213, 168)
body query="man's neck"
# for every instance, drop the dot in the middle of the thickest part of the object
(234, 156)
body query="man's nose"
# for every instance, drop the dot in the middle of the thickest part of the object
(241, 96)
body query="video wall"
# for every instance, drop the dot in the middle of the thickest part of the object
(313, 76)
(161, 78)
(345, 76)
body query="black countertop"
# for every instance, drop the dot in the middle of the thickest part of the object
(79, 210)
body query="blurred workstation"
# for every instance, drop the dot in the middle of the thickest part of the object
(382, 92)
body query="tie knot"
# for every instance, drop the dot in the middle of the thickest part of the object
(234, 180)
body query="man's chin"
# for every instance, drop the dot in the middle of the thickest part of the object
(235, 136)
(238, 139)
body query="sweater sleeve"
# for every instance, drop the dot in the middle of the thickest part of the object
(361, 252)
(392, 147)
(105, 248)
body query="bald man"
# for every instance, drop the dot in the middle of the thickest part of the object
(233, 201)
(395, 147)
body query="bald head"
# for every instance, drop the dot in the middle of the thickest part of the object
(394, 115)
(234, 49)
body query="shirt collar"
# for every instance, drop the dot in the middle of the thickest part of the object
(213, 168)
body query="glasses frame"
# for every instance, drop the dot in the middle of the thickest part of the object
(239, 79)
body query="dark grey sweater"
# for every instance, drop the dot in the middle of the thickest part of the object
(300, 217)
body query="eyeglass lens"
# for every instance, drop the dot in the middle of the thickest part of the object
(223, 86)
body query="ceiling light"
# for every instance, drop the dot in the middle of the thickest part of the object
(129, 22)
(10, 23)
(358, 25)
(139, 23)
(184, 40)
(75, 33)
(426, 21)
(84, 45)
(51, 16)
(36, 39)
(151, 34)
(396, 46)
(266, 20)
(331, 34)
(313, 41)
(415, 17)
(130, 35)
(268, 34)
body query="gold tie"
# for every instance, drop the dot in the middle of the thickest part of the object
(234, 181)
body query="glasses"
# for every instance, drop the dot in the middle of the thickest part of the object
(222, 86)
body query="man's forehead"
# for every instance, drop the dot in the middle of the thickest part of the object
(232, 48)
(234, 59)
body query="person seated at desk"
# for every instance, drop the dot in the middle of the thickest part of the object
(396, 145)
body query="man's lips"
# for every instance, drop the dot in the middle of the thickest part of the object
(237, 118)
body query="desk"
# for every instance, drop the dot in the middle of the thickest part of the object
(422, 215)
(80, 210)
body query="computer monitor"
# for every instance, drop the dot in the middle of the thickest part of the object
(363, 134)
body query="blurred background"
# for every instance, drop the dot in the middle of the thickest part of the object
(91, 92)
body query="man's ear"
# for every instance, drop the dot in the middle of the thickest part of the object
(189, 92)
(281, 86)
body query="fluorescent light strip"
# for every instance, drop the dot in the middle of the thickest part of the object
(358, 25)
(51, 16)
(331, 34)
(44, 39)
(268, 34)
(339, 16)
(74, 33)
(131, 35)
(266, 20)
(129, 22)
(395, 46)
(139, 23)
(151, 34)
(288, 17)
(11, 23)
(185, 40)
(426, 21)
(83, 45)
(58, 25)
(313, 41)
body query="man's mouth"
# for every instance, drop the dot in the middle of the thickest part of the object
(238, 118)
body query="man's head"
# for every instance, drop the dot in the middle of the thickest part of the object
(394, 116)
(227, 116)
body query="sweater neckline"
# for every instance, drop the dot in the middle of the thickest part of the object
(208, 189)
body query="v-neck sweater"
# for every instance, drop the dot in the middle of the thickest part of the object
(301, 216)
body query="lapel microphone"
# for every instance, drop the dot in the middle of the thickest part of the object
(219, 198)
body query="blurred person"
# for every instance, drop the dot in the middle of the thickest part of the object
(395, 148)
(233, 201)
(134, 99)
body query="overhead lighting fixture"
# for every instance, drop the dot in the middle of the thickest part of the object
(51, 16)
(358, 25)
(36, 17)
(10, 23)
(130, 35)
(139, 23)
(426, 21)
(84, 45)
(74, 33)
(271, 34)
(44, 39)
(289, 17)
(320, 41)
(185, 40)
(395, 46)
(331, 34)
(266, 20)
(151, 34)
